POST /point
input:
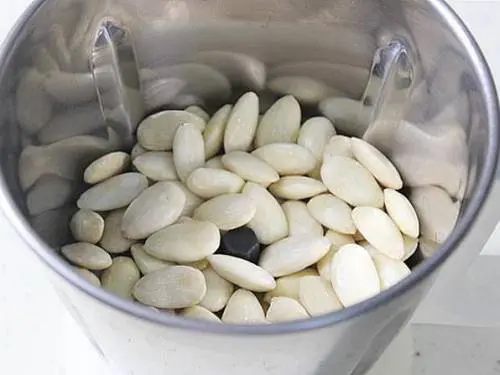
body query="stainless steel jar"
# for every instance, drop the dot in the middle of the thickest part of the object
(425, 86)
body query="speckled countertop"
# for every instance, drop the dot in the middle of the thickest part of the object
(457, 329)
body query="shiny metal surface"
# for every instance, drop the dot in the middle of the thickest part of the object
(208, 52)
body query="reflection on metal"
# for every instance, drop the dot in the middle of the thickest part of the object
(114, 67)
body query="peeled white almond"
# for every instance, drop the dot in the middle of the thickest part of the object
(280, 124)
(307, 90)
(390, 271)
(157, 132)
(198, 312)
(411, 245)
(87, 256)
(198, 111)
(338, 145)
(287, 158)
(288, 286)
(242, 123)
(351, 182)
(297, 187)
(332, 212)
(121, 277)
(156, 165)
(116, 192)
(209, 183)
(113, 240)
(354, 275)
(214, 131)
(243, 308)
(284, 309)
(192, 200)
(228, 211)
(377, 163)
(155, 208)
(293, 254)
(337, 240)
(175, 287)
(268, 210)
(106, 166)
(402, 212)
(314, 135)
(250, 168)
(436, 211)
(87, 226)
(215, 163)
(146, 262)
(201, 264)
(379, 230)
(242, 273)
(318, 296)
(300, 220)
(218, 293)
(185, 242)
(188, 150)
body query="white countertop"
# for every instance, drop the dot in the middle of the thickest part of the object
(37, 335)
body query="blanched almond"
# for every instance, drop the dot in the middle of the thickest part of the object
(284, 309)
(87, 226)
(106, 166)
(318, 296)
(315, 134)
(218, 293)
(411, 245)
(209, 183)
(146, 262)
(192, 200)
(288, 286)
(214, 131)
(297, 187)
(87, 256)
(337, 240)
(157, 132)
(113, 240)
(243, 308)
(215, 163)
(267, 211)
(351, 182)
(229, 211)
(307, 90)
(242, 273)
(198, 312)
(242, 123)
(390, 271)
(116, 192)
(186, 242)
(377, 163)
(189, 150)
(156, 165)
(121, 277)
(354, 275)
(280, 123)
(402, 212)
(293, 254)
(379, 230)
(287, 158)
(250, 168)
(173, 287)
(332, 212)
(155, 208)
(198, 111)
(300, 220)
